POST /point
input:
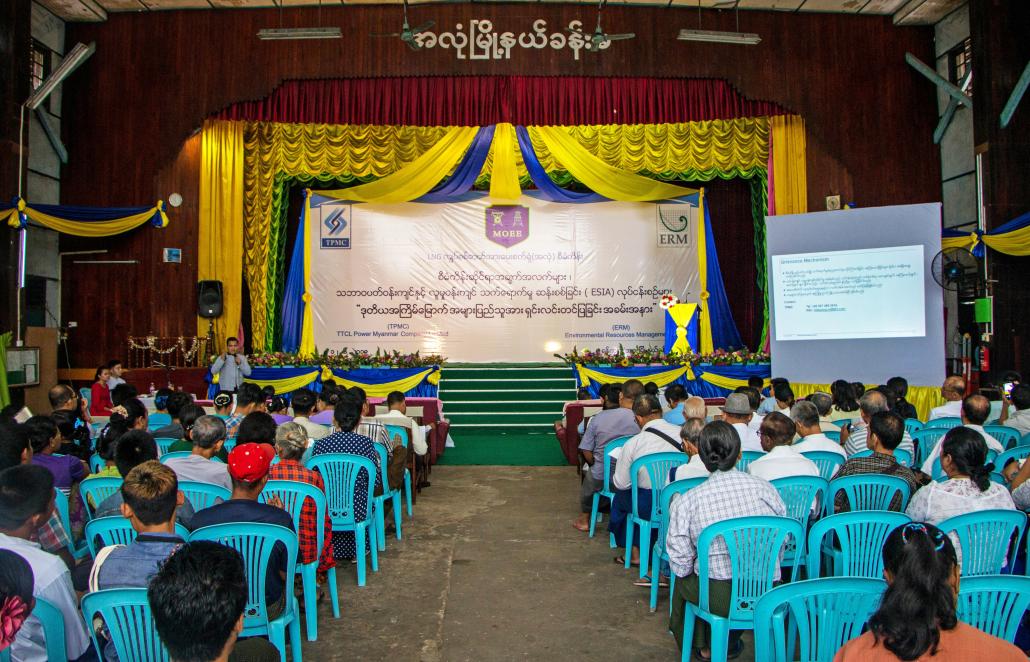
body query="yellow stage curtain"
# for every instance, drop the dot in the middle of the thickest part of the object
(923, 398)
(597, 175)
(220, 253)
(1016, 242)
(504, 176)
(790, 179)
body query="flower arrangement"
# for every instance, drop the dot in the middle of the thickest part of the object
(345, 359)
(656, 355)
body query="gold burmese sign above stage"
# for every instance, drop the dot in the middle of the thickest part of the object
(479, 41)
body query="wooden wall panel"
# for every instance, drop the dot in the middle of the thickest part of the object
(156, 76)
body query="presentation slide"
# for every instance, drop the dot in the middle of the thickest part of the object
(872, 293)
(851, 295)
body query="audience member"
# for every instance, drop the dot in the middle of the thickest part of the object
(16, 599)
(197, 599)
(303, 404)
(823, 405)
(208, 436)
(757, 383)
(123, 392)
(769, 404)
(808, 425)
(754, 398)
(916, 618)
(277, 410)
(115, 367)
(845, 402)
(902, 407)
(974, 412)
(690, 435)
(161, 417)
(327, 401)
(248, 467)
(397, 409)
(726, 494)
(45, 440)
(26, 503)
(858, 389)
(187, 419)
(223, 405)
(131, 414)
(176, 402)
(397, 414)
(695, 407)
(781, 459)
(291, 441)
(655, 436)
(737, 412)
(106, 444)
(248, 399)
(74, 437)
(604, 426)
(886, 430)
(100, 396)
(953, 390)
(675, 395)
(1020, 398)
(257, 427)
(347, 415)
(853, 435)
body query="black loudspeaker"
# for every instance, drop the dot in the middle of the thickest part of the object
(209, 298)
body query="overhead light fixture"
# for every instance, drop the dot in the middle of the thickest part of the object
(70, 63)
(717, 37)
(272, 34)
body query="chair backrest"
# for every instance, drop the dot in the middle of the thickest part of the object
(96, 463)
(671, 490)
(230, 443)
(1024, 441)
(384, 460)
(746, 458)
(994, 603)
(163, 443)
(398, 430)
(1017, 453)
(799, 493)
(869, 491)
(924, 441)
(96, 490)
(823, 614)
(903, 457)
(61, 507)
(945, 422)
(116, 530)
(294, 494)
(86, 394)
(203, 495)
(173, 455)
(657, 467)
(841, 422)
(341, 472)
(833, 435)
(617, 442)
(1006, 436)
(255, 542)
(999, 478)
(827, 461)
(913, 425)
(754, 545)
(860, 536)
(986, 539)
(127, 615)
(52, 620)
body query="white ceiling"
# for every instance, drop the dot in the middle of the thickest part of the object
(905, 12)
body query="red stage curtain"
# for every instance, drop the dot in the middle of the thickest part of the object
(483, 100)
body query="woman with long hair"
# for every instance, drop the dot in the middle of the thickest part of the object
(917, 619)
(845, 404)
(100, 395)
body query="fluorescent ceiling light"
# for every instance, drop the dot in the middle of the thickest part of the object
(299, 33)
(70, 63)
(716, 37)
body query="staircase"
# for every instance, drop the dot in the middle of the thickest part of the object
(499, 398)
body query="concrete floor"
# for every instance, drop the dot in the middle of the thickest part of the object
(490, 568)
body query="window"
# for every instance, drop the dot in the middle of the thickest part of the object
(960, 63)
(40, 63)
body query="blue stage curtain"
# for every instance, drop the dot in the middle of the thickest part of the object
(696, 386)
(548, 189)
(724, 330)
(293, 304)
(369, 377)
(464, 177)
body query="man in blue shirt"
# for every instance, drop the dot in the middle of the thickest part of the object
(675, 395)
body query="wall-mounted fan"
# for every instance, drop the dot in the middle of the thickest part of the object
(955, 269)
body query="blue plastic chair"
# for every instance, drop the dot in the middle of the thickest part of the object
(394, 431)
(607, 490)
(79, 550)
(115, 530)
(819, 614)
(230, 443)
(658, 553)
(340, 473)
(1006, 436)
(903, 457)
(657, 466)
(1025, 441)
(87, 395)
(163, 444)
(799, 494)
(52, 620)
(937, 471)
(174, 455)
(159, 420)
(746, 458)
(841, 422)
(946, 422)
(1017, 453)
(393, 495)
(97, 489)
(833, 435)
(754, 545)
(994, 604)
(293, 495)
(827, 461)
(255, 543)
(856, 543)
(913, 425)
(96, 463)
(868, 492)
(203, 495)
(987, 539)
(925, 440)
(129, 622)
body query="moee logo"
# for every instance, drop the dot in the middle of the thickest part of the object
(507, 225)
(334, 231)
(676, 225)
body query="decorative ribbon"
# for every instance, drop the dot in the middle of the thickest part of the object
(727, 383)
(13, 613)
(661, 378)
(385, 388)
(681, 314)
(84, 221)
(504, 180)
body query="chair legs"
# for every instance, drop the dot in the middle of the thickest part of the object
(380, 523)
(686, 654)
(397, 514)
(331, 580)
(307, 575)
(594, 513)
(629, 541)
(720, 639)
(359, 552)
(407, 492)
(655, 577)
(295, 634)
(375, 549)
(645, 543)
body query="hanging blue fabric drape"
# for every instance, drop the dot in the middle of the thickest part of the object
(548, 189)
(293, 302)
(82, 221)
(464, 177)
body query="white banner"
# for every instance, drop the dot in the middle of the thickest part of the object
(482, 283)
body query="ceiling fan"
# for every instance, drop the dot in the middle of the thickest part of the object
(599, 36)
(407, 33)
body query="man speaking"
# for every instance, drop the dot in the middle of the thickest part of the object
(231, 367)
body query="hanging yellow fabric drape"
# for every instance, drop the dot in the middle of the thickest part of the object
(1016, 242)
(289, 384)
(90, 229)
(504, 176)
(307, 328)
(661, 377)
(220, 254)
(704, 316)
(384, 389)
(611, 182)
(789, 174)
(967, 242)
(419, 176)
(725, 382)
(681, 314)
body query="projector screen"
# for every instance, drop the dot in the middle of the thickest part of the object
(851, 295)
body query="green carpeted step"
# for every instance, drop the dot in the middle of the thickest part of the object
(474, 447)
(482, 396)
(502, 418)
(506, 374)
(552, 408)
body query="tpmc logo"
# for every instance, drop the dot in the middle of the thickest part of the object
(677, 225)
(334, 230)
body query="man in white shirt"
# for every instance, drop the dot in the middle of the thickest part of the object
(781, 459)
(807, 421)
(208, 436)
(823, 403)
(303, 402)
(737, 412)
(854, 436)
(397, 415)
(115, 366)
(953, 390)
(26, 503)
(656, 436)
(975, 410)
(1020, 398)
(690, 432)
